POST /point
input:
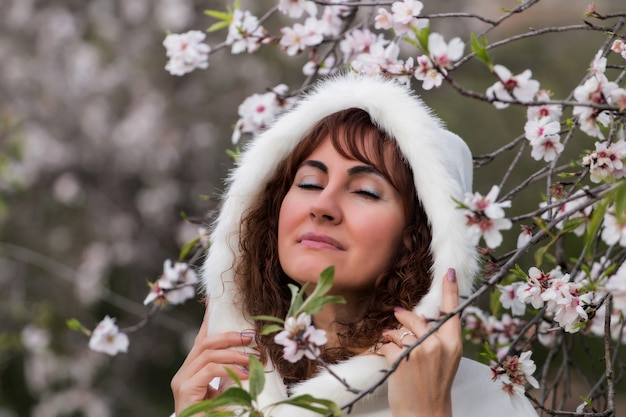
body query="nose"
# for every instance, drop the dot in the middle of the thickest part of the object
(326, 207)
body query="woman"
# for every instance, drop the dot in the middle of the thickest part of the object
(360, 175)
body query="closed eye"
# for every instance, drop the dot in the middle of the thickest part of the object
(309, 186)
(368, 194)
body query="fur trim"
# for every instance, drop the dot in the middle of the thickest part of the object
(440, 160)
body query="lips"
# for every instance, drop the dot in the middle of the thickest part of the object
(319, 241)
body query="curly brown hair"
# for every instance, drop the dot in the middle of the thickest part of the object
(258, 273)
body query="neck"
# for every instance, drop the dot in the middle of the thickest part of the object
(332, 316)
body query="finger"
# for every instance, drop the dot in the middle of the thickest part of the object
(220, 357)
(450, 296)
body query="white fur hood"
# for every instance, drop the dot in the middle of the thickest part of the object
(442, 168)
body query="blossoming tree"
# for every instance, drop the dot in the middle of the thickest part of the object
(550, 220)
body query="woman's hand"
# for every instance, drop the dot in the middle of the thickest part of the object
(422, 385)
(208, 359)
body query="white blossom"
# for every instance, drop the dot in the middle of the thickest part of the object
(616, 285)
(186, 52)
(510, 300)
(619, 46)
(295, 8)
(595, 90)
(175, 286)
(551, 111)
(524, 237)
(245, 33)
(107, 338)
(295, 39)
(444, 54)
(511, 87)
(425, 71)
(606, 161)
(614, 230)
(300, 338)
(485, 217)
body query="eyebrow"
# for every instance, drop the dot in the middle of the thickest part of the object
(355, 170)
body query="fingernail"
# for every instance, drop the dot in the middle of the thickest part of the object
(452, 275)
(399, 309)
(248, 333)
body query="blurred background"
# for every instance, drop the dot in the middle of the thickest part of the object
(101, 150)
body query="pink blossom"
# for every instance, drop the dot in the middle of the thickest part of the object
(595, 90)
(550, 111)
(606, 161)
(245, 32)
(485, 217)
(359, 41)
(383, 20)
(298, 37)
(322, 68)
(300, 338)
(404, 16)
(295, 8)
(380, 58)
(614, 230)
(511, 87)
(259, 110)
(186, 52)
(619, 46)
(510, 300)
(175, 286)
(515, 372)
(333, 18)
(107, 338)
(427, 73)
(598, 65)
(524, 237)
(444, 54)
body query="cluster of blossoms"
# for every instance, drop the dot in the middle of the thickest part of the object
(485, 216)
(175, 286)
(186, 52)
(259, 110)
(542, 128)
(606, 161)
(499, 333)
(566, 299)
(597, 90)
(300, 338)
(245, 33)
(107, 338)
(515, 372)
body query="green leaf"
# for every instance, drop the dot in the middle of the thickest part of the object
(318, 299)
(217, 26)
(271, 328)
(494, 302)
(234, 376)
(422, 37)
(234, 396)
(184, 251)
(542, 225)
(257, 377)
(268, 318)
(519, 272)
(219, 15)
(620, 202)
(317, 405)
(572, 224)
(297, 299)
(488, 353)
(539, 254)
(595, 221)
(479, 47)
(234, 153)
(74, 324)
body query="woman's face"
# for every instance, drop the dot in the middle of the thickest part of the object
(339, 212)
